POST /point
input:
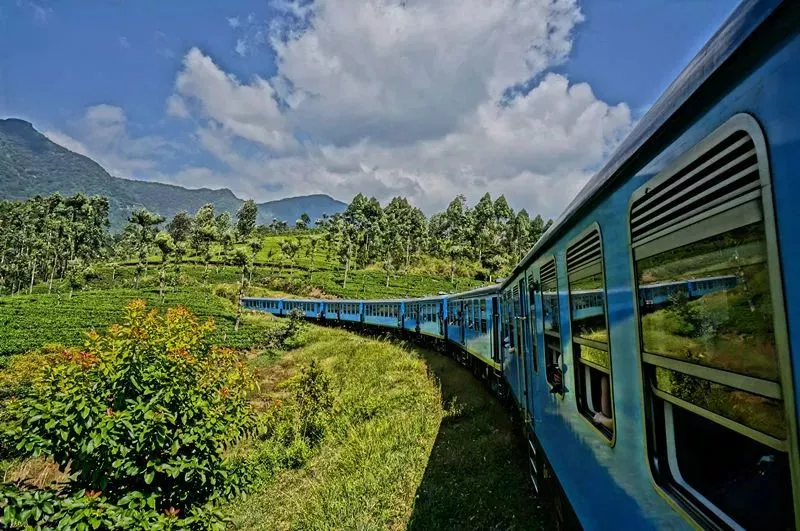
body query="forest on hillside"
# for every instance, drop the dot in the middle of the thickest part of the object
(56, 237)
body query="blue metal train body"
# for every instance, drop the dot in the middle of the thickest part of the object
(609, 364)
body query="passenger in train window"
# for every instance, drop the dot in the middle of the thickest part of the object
(603, 415)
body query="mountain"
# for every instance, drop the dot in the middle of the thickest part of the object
(31, 164)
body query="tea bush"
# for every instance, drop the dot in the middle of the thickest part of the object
(143, 417)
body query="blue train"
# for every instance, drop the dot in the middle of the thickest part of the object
(650, 353)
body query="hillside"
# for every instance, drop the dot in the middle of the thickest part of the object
(31, 164)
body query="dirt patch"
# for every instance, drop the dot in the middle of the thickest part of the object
(37, 472)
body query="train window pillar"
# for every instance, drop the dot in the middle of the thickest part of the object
(713, 334)
(532, 319)
(593, 376)
(548, 277)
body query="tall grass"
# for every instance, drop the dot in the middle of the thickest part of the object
(414, 441)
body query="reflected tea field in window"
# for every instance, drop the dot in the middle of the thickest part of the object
(709, 303)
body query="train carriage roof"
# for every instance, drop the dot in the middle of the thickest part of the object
(745, 19)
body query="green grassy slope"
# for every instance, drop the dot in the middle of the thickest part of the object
(416, 442)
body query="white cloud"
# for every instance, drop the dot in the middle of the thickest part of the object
(248, 110)
(241, 47)
(64, 140)
(233, 22)
(177, 107)
(124, 42)
(405, 98)
(102, 135)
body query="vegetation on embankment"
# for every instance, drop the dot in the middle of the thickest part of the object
(413, 441)
(349, 432)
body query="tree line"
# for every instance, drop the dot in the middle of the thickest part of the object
(56, 237)
(490, 234)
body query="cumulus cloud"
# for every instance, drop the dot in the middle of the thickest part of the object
(248, 110)
(422, 98)
(233, 22)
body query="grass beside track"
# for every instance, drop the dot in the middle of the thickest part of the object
(416, 442)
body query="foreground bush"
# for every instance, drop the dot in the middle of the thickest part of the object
(141, 419)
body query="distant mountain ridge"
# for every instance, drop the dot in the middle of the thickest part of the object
(31, 164)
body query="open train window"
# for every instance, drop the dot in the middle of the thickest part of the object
(712, 328)
(548, 280)
(594, 394)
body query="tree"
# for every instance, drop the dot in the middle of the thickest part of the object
(255, 245)
(204, 232)
(303, 222)
(290, 250)
(166, 245)
(311, 252)
(144, 225)
(180, 228)
(456, 226)
(484, 225)
(241, 259)
(246, 219)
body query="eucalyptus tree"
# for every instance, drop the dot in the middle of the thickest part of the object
(255, 245)
(246, 219)
(40, 235)
(455, 232)
(311, 252)
(204, 234)
(303, 223)
(244, 260)
(291, 249)
(144, 226)
(180, 228)
(166, 245)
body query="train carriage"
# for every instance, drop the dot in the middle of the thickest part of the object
(425, 316)
(472, 323)
(651, 353)
(383, 313)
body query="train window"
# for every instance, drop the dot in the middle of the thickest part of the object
(595, 398)
(548, 279)
(532, 318)
(484, 326)
(709, 298)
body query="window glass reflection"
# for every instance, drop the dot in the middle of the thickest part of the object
(754, 411)
(709, 303)
(587, 302)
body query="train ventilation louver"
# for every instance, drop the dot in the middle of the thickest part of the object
(547, 273)
(720, 174)
(584, 253)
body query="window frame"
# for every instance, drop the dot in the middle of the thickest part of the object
(532, 274)
(582, 384)
(709, 223)
(554, 336)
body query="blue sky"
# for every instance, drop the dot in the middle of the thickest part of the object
(273, 99)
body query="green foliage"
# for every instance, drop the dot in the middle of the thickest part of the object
(32, 321)
(392, 456)
(144, 415)
(246, 218)
(85, 510)
(312, 393)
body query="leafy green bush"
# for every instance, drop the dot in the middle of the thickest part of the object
(144, 415)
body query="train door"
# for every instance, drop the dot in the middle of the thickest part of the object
(519, 293)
